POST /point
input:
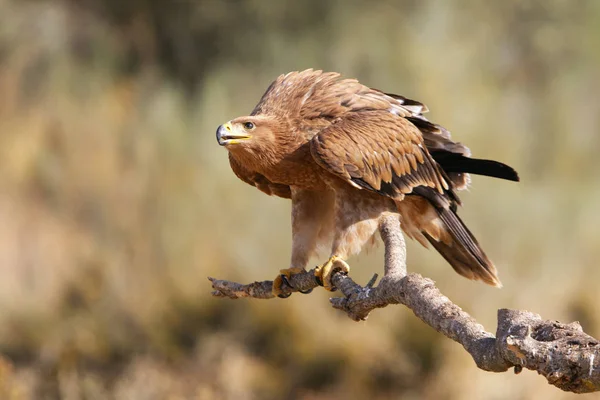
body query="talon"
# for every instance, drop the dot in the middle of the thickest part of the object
(324, 272)
(286, 280)
(318, 278)
(283, 278)
(307, 291)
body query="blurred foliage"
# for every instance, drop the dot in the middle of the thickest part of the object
(116, 202)
(189, 38)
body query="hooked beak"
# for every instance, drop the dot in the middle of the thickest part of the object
(226, 135)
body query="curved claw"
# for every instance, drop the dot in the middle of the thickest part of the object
(305, 291)
(284, 279)
(319, 280)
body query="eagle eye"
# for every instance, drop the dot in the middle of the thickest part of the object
(248, 125)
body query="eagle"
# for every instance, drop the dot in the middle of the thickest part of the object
(346, 155)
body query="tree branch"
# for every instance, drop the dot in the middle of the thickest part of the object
(566, 356)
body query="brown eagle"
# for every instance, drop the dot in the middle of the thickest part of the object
(346, 154)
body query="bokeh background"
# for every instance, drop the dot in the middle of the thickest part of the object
(116, 202)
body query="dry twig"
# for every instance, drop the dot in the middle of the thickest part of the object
(565, 355)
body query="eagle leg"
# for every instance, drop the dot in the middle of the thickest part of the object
(284, 276)
(324, 272)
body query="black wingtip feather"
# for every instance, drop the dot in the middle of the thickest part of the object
(453, 162)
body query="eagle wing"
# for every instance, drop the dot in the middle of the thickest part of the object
(259, 181)
(385, 153)
(378, 151)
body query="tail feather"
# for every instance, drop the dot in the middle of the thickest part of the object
(458, 163)
(437, 221)
(464, 253)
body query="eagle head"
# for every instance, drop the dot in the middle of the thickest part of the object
(256, 139)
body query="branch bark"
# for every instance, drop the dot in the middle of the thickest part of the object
(565, 355)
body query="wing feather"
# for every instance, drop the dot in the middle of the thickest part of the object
(383, 151)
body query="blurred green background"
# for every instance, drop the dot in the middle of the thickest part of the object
(116, 202)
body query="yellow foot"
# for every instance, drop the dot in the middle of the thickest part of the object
(285, 274)
(325, 271)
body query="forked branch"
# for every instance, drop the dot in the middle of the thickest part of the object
(565, 355)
